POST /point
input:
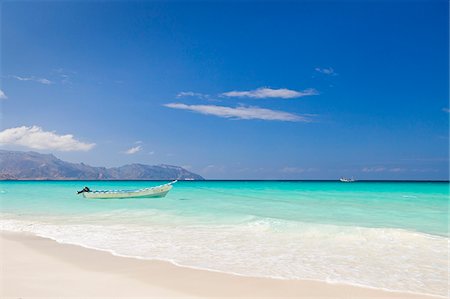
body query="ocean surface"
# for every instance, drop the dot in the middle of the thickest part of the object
(388, 235)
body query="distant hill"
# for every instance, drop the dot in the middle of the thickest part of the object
(15, 165)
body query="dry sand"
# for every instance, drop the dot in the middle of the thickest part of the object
(34, 267)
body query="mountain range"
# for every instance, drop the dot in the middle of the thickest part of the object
(16, 165)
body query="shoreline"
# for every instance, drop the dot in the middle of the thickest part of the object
(173, 263)
(29, 264)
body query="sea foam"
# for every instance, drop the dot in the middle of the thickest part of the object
(387, 258)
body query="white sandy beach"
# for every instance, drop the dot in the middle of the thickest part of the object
(33, 267)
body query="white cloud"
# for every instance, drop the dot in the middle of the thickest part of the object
(382, 169)
(191, 94)
(374, 169)
(265, 92)
(424, 170)
(64, 75)
(43, 81)
(212, 168)
(241, 112)
(327, 71)
(443, 109)
(32, 78)
(2, 95)
(198, 95)
(35, 137)
(289, 169)
(133, 150)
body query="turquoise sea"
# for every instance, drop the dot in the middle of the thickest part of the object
(389, 235)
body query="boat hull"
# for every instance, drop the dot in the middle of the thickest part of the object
(154, 192)
(345, 180)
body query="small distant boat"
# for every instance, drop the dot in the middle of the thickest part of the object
(152, 192)
(347, 180)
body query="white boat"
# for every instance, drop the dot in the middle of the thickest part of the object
(157, 191)
(347, 180)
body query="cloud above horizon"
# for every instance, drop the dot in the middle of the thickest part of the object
(241, 112)
(36, 138)
(32, 78)
(134, 150)
(183, 94)
(446, 110)
(291, 169)
(265, 92)
(2, 95)
(382, 169)
(326, 71)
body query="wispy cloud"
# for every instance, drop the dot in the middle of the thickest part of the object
(240, 112)
(32, 78)
(2, 95)
(373, 169)
(134, 150)
(424, 170)
(265, 92)
(446, 110)
(65, 76)
(212, 168)
(65, 79)
(382, 169)
(426, 159)
(35, 137)
(191, 94)
(326, 71)
(290, 169)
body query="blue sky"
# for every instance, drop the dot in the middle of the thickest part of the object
(251, 90)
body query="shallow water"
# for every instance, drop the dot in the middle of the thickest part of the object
(391, 235)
